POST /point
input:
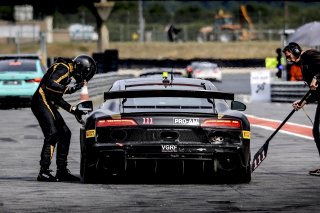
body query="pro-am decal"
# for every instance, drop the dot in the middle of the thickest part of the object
(169, 148)
(246, 134)
(90, 133)
(186, 121)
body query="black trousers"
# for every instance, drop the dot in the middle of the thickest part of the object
(316, 126)
(54, 129)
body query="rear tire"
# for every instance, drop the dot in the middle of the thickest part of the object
(246, 174)
(88, 174)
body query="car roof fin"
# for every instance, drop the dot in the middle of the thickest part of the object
(171, 75)
(209, 100)
(203, 85)
(165, 79)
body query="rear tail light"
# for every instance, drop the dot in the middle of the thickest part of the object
(116, 122)
(221, 123)
(35, 80)
(15, 63)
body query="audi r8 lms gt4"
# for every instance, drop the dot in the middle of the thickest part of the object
(169, 130)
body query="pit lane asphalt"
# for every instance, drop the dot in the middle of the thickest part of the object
(280, 184)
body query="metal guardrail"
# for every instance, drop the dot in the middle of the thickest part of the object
(97, 86)
(288, 91)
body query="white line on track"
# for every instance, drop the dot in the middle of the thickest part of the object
(282, 131)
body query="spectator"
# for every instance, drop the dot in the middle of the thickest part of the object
(295, 73)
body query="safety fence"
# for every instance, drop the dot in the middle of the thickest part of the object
(97, 86)
(288, 91)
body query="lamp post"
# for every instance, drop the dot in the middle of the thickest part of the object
(103, 9)
(141, 21)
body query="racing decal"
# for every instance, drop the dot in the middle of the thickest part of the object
(147, 121)
(246, 134)
(51, 151)
(186, 121)
(220, 116)
(116, 116)
(45, 101)
(169, 148)
(90, 133)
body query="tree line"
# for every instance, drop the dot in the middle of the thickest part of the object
(264, 14)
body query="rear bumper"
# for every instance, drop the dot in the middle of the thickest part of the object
(18, 91)
(12, 97)
(185, 160)
(15, 100)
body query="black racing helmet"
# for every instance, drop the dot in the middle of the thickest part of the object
(84, 68)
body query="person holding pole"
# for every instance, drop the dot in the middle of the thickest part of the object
(309, 61)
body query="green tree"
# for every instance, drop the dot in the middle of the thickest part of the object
(6, 13)
(157, 13)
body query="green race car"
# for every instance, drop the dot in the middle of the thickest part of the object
(20, 76)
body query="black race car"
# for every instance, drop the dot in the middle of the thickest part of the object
(166, 129)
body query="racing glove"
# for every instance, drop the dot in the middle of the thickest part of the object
(74, 88)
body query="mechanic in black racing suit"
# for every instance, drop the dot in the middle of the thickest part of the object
(44, 105)
(309, 61)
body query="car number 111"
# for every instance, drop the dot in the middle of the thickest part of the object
(147, 121)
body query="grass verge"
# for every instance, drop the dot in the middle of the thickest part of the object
(157, 50)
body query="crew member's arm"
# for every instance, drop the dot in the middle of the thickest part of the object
(314, 82)
(66, 106)
(298, 106)
(59, 74)
(56, 85)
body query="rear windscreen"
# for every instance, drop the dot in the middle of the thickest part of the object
(170, 101)
(18, 66)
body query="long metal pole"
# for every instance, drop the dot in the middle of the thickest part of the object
(262, 152)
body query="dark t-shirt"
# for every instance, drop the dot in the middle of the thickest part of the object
(310, 63)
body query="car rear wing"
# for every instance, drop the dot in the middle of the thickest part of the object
(168, 93)
(159, 73)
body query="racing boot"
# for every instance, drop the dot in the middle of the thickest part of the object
(64, 174)
(315, 172)
(46, 176)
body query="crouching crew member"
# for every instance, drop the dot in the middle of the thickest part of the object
(45, 102)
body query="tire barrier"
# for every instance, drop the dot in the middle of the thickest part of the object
(288, 91)
(183, 63)
(109, 61)
(97, 86)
